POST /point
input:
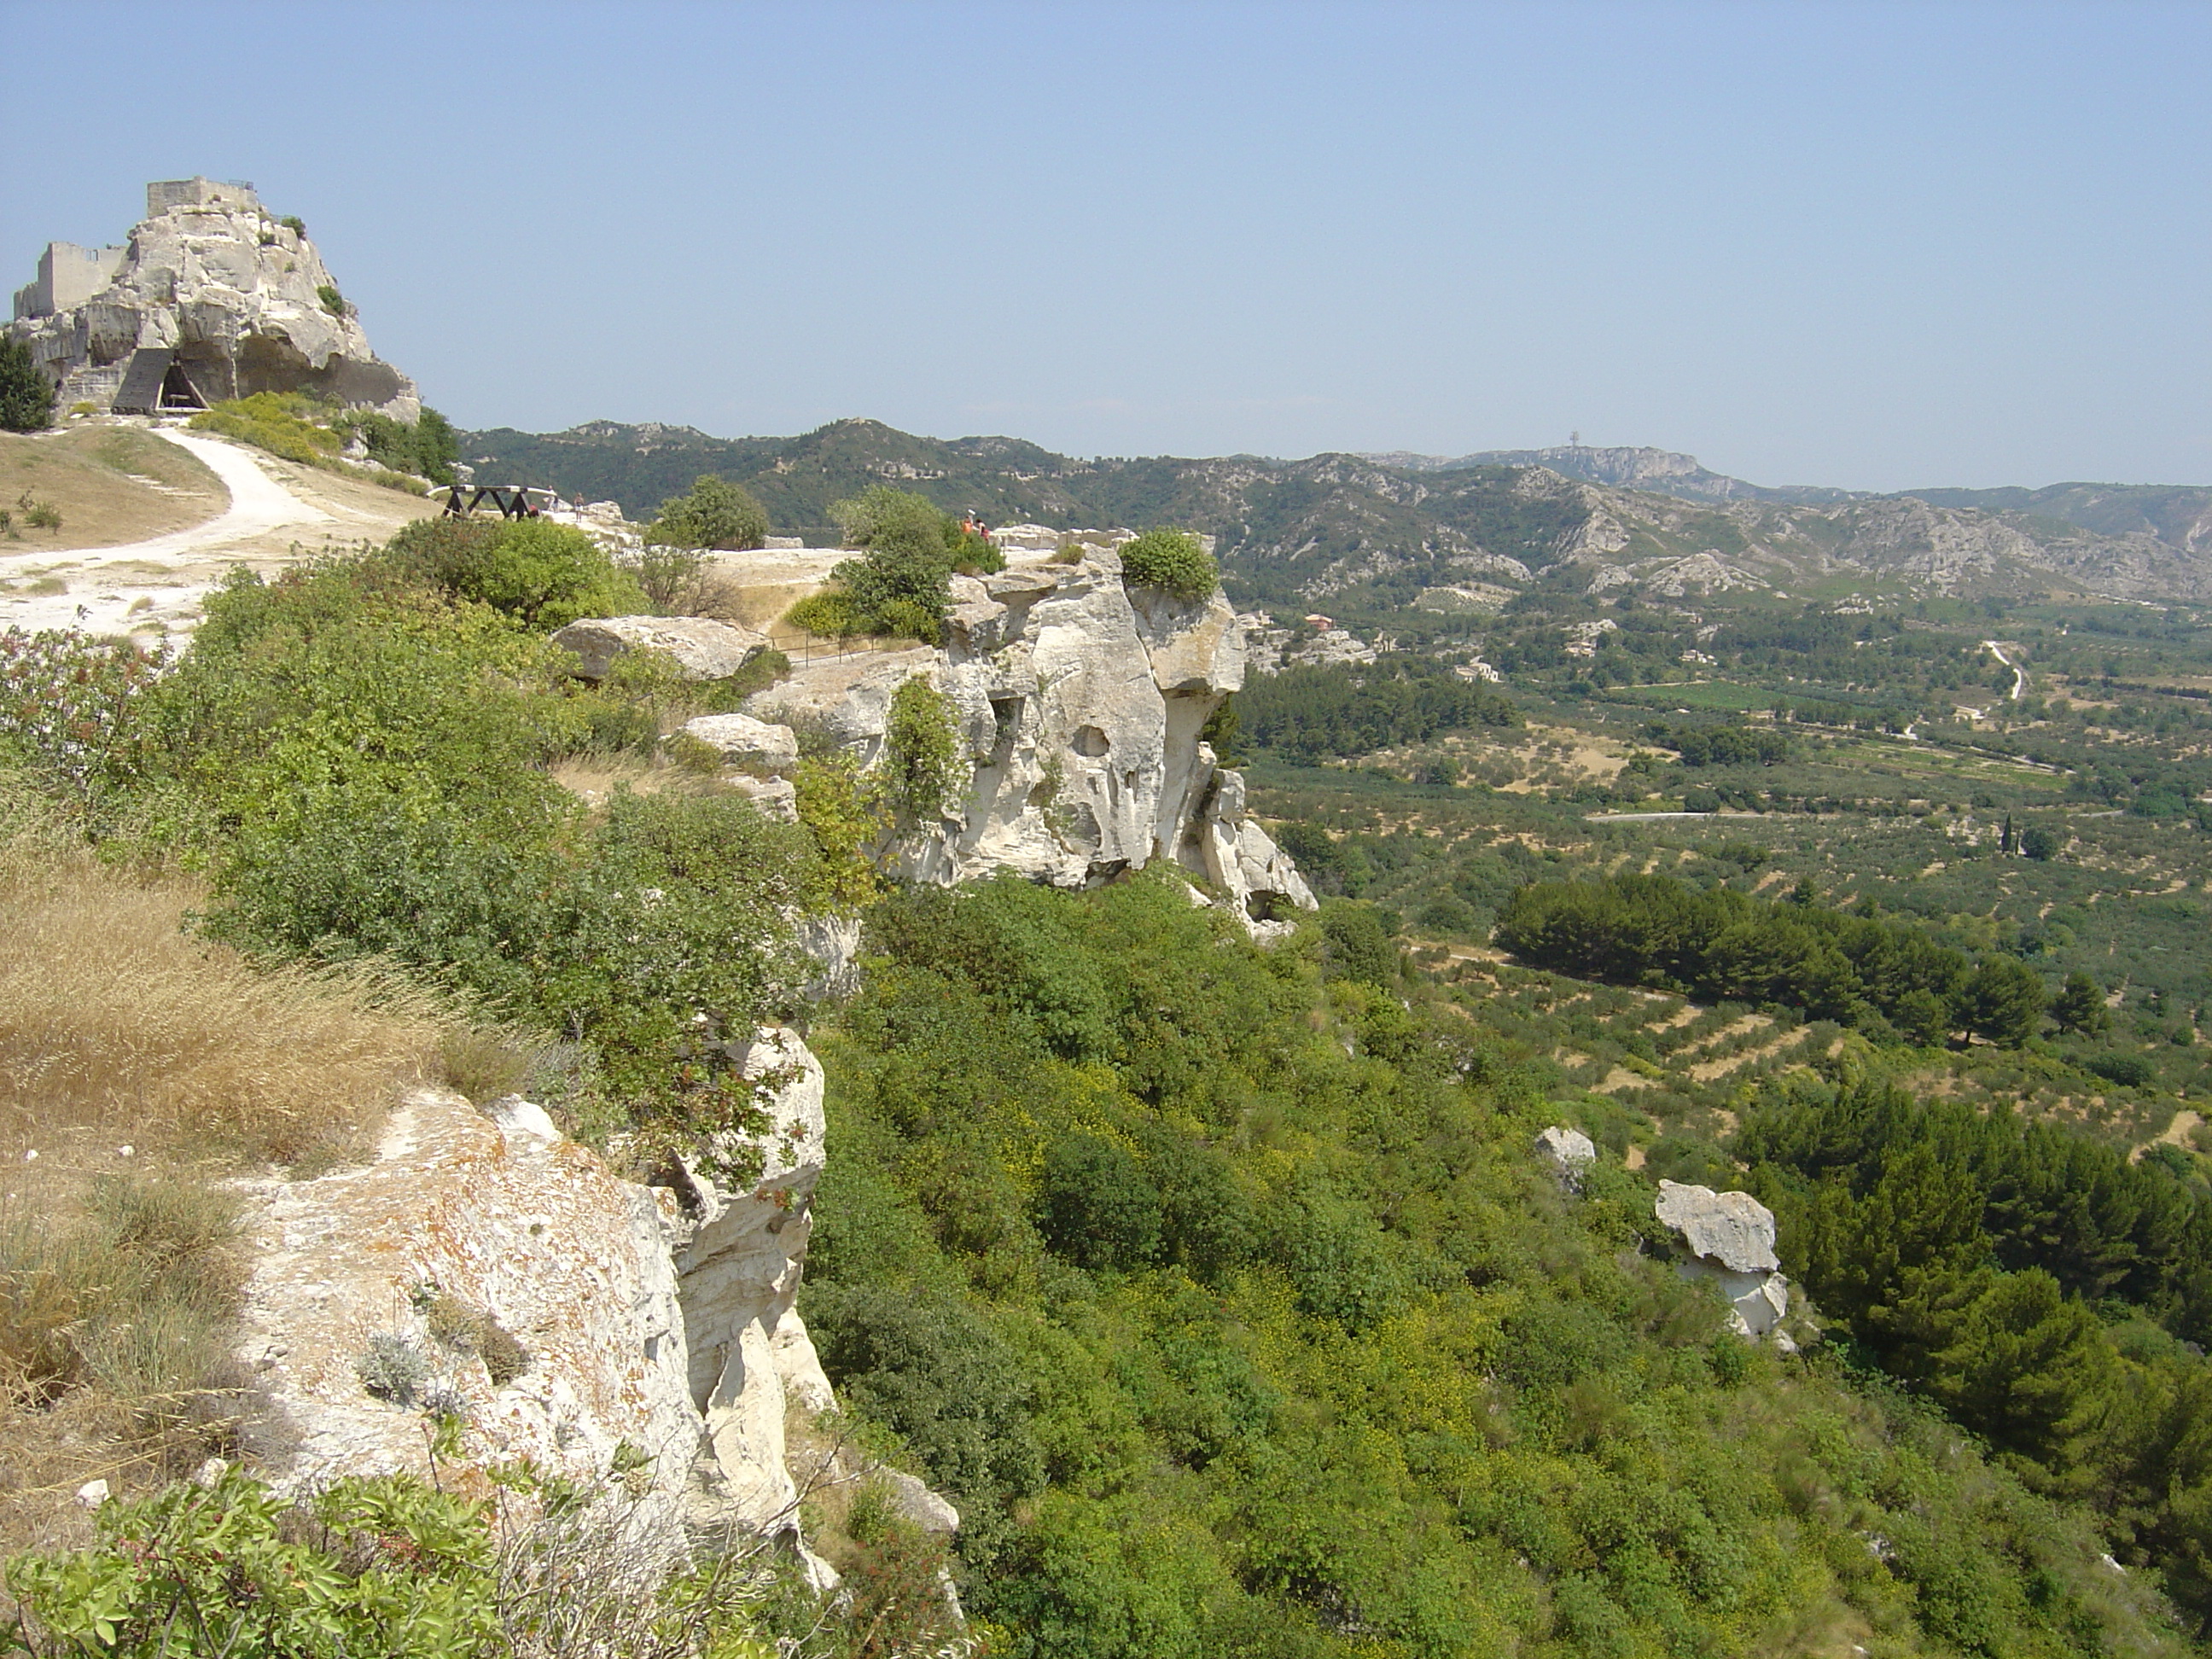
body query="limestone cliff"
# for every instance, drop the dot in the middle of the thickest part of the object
(1079, 704)
(616, 1334)
(211, 298)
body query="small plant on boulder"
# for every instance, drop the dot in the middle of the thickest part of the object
(1172, 561)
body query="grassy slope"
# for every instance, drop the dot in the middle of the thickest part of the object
(112, 484)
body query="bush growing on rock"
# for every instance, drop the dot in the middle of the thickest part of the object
(1172, 561)
(911, 549)
(923, 766)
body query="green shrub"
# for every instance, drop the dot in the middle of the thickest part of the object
(831, 615)
(283, 424)
(333, 301)
(397, 1569)
(426, 447)
(1172, 561)
(295, 223)
(715, 514)
(911, 548)
(927, 1367)
(545, 575)
(27, 396)
(1096, 1207)
(924, 770)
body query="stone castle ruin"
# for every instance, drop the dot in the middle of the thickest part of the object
(210, 298)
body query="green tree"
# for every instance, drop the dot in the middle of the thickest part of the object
(2040, 842)
(27, 396)
(1098, 1208)
(1359, 943)
(910, 549)
(715, 514)
(2003, 1001)
(2079, 1006)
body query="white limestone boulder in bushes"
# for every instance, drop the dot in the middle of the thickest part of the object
(1729, 1238)
(1568, 1151)
(704, 648)
(741, 740)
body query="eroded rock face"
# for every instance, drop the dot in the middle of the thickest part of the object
(237, 299)
(737, 1242)
(514, 1222)
(1078, 705)
(661, 1319)
(1729, 1237)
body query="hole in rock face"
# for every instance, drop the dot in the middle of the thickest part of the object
(1090, 741)
(1005, 721)
(1264, 907)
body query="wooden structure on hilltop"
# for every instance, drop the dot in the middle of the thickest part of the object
(513, 501)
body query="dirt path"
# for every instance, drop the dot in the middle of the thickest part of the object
(2185, 1123)
(278, 512)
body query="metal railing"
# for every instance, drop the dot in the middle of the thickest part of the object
(802, 648)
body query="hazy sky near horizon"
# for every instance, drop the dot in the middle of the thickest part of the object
(1876, 246)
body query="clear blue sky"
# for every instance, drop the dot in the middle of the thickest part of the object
(1874, 245)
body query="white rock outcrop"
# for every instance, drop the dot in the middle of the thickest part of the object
(1729, 1237)
(704, 648)
(655, 1320)
(229, 300)
(741, 740)
(1568, 1151)
(1078, 705)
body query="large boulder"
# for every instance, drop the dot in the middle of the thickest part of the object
(1570, 1152)
(365, 1276)
(705, 649)
(741, 740)
(1729, 1238)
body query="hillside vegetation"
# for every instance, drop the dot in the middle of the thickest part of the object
(1221, 1288)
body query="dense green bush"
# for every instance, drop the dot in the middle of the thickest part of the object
(925, 771)
(287, 425)
(545, 575)
(427, 448)
(1172, 561)
(27, 396)
(831, 615)
(715, 514)
(911, 549)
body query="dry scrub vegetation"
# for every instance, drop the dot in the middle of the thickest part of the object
(138, 1067)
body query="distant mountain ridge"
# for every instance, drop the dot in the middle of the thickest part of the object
(1377, 535)
(1660, 471)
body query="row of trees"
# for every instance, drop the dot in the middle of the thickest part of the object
(1317, 713)
(1883, 976)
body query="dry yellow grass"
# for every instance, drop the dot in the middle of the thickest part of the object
(113, 1017)
(112, 484)
(139, 1067)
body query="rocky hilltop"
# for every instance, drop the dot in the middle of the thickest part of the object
(1078, 705)
(1661, 472)
(211, 297)
(1384, 533)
